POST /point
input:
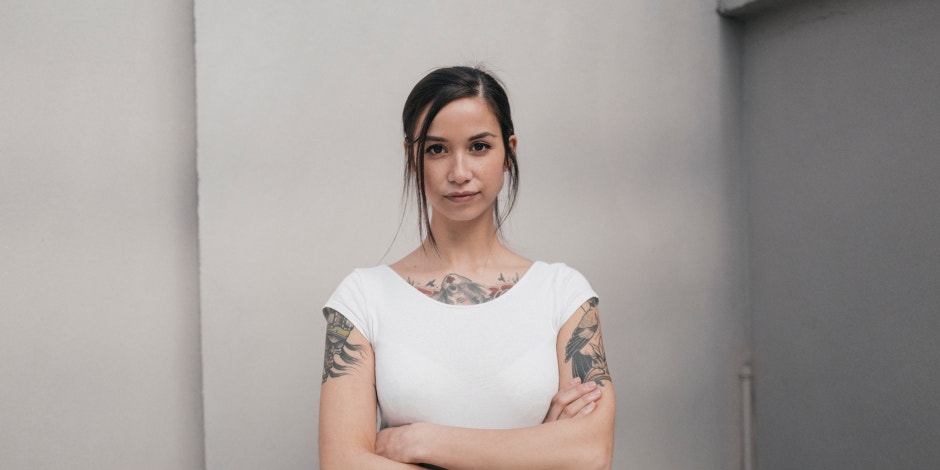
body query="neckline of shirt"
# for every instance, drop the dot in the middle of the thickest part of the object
(402, 283)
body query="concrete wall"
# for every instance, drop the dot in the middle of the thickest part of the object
(99, 324)
(626, 116)
(841, 118)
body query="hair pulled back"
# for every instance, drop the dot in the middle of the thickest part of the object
(432, 93)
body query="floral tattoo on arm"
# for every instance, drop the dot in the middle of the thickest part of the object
(585, 349)
(340, 356)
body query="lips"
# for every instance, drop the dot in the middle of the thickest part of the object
(461, 196)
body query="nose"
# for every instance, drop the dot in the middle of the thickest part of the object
(459, 169)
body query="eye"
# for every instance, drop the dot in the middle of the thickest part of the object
(435, 149)
(480, 146)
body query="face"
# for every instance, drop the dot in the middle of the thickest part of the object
(464, 161)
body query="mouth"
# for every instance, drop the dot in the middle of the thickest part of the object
(461, 196)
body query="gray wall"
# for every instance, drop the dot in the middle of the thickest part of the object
(627, 120)
(99, 321)
(841, 135)
(634, 107)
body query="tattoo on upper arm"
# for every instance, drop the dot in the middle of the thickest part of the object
(340, 355)
(585, 349)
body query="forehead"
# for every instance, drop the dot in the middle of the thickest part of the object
(464, 115)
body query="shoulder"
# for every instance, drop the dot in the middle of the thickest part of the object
(360, 276)
(357, 293)
(566, 286)
(360, 282)
(558, 272)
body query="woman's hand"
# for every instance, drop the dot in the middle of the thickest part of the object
(574, 400)
(390, 443)
(399, 443)
(402, 443)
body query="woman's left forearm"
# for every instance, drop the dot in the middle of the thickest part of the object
(584, 442)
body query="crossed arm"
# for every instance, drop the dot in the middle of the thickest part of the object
(348, 412)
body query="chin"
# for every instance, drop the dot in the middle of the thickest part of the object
(465, 216)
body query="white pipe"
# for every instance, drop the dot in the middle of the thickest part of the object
(747, 454)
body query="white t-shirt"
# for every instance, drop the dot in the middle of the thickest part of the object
(492, 365)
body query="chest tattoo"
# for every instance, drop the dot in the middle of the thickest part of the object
(455, 289)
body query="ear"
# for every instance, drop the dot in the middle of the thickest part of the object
(512, 148)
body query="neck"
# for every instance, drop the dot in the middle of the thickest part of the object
(463, 247)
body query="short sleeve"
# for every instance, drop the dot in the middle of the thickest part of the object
(349, 300)
(572, 290)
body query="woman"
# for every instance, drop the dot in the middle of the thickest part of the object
(476, 356)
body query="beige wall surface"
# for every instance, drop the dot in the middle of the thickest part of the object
(842, 108)
(626, 115)
(99, 324)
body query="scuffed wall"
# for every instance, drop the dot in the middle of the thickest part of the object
(841, 117)
(99, 319)
(627, 121)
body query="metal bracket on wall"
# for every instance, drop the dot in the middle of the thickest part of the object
(745, 376)
(745, 9)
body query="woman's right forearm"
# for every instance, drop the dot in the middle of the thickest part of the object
(363, 459)
(347, 401)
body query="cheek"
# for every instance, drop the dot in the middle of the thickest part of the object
(494, 178)
(496, 170)
(434, 175)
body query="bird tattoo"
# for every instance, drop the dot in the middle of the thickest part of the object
(456, 289)
(585, 349)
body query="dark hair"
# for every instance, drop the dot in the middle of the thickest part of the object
(432, 93)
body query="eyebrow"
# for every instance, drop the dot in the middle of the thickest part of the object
(482, 135)
(473, 137)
